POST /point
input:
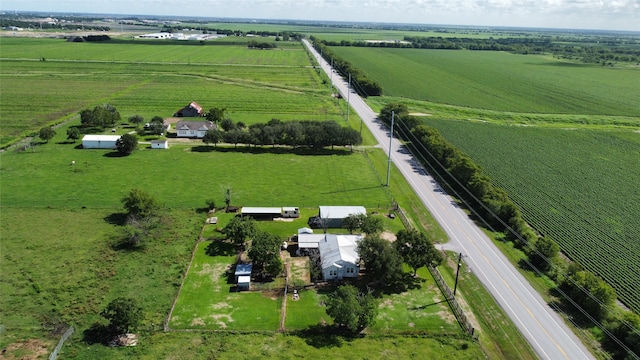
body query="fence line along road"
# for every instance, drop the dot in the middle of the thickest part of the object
(545, 330)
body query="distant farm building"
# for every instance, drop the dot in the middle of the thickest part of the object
(243, 276)
(159, 144)
(99, 141)
(332, 216)
(270, 212)
(194, 129)
(192, 110)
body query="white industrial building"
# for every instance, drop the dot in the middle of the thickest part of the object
(99, 141)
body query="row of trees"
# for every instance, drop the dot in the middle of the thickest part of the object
(315, 134)
(462, 175)
(366, 87)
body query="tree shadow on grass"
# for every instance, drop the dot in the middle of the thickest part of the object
(322, 336)
(271, 150)
(98, 334)
(115, 154)
(116, 218)
(220, 248)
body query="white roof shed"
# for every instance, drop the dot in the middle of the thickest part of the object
(99, 141)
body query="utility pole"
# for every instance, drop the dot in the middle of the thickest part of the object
(455, 286)
(390, 141)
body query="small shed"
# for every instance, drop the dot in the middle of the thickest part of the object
(159, 144)
(99, 141)
(244, 282)
(243, 276)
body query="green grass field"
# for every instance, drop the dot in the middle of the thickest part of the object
(149, 80)
(499, 81)
(207, 299)
(59, 249)
(578, 187)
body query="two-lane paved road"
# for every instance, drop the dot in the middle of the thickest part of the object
(549, 336)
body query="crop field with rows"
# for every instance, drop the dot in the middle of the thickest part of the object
(579, 187)
(499, 81)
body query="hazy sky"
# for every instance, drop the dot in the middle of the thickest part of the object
(579, 14)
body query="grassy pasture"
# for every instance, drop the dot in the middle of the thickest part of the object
(577, 186)
(499, 81)
(150, 80)
(207, 302)
(65, 264)
(183, 177)
(150, 52)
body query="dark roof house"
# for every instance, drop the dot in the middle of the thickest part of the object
(192, 110)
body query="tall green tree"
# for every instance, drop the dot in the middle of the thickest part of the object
(351, 309)
(73, 134)
(239, 229)
(46, 133)
(265, 253)
(136, 119)
(603, 293)
(543, 252)
(140, 204)
(353, 222)
(216, 114)
(417, 250)
(156, 125)
(127, 144)
(371, 225)
(381, 260)
(123, 314)
(212, 136)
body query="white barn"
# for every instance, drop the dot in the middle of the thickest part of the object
(159, 144)
(339, 257)
(99, 141)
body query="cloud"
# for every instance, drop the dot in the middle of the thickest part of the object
(613, 14)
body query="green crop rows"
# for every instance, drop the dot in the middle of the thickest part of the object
(580, 187)
(499, 81)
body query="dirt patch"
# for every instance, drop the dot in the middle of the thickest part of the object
(220, 305)
(220, 320)
(284, 219)
(300, 269)
(386, 304)
(389, 236)
(25, 350)
(214, 271)
(197, 322)
(419, 114)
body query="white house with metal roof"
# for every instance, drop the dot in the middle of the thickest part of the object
(99, 141)
(339, 257)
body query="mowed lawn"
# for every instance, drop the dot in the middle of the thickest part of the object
(499, 81)
(184, 177)
(208, 300)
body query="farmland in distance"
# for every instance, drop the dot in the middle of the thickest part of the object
(499, 81)
(578, 187)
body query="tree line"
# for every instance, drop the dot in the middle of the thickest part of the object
(366, 87)
(461, 175)
(308, 133)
